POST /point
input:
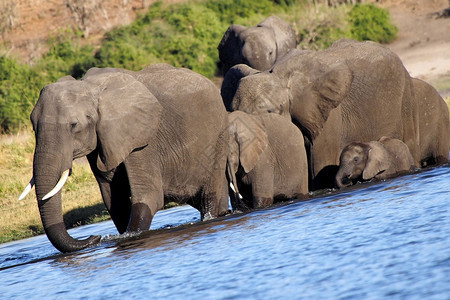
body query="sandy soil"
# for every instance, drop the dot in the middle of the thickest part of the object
(423, 41)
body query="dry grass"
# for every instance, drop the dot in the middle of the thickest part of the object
(82, 201)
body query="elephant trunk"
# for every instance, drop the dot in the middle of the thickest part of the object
(343, 179)
(46, 172)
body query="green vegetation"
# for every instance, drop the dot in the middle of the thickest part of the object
(369, 22)
(184, 35)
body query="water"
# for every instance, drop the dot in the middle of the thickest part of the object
(380, 240)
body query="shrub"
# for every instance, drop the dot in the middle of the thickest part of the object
(369, 22)
(19, 88)
(65, 57)
(319, 26)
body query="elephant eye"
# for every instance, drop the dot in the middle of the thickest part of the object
(73, 126)
(355, 159)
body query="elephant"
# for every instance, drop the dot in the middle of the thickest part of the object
(434, 125)
(151, 136)
(352, 91)
(231, 81)
(257, 46)
(382, 159)
(267, 160)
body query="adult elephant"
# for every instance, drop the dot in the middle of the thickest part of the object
(434, 133)
(352, 91)
(150, 136)
(267, 160)
(257, 46)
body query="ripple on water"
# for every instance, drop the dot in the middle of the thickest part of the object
(385, 239)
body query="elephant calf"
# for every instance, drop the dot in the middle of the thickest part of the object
(267, 160)
(380, 159)
(257, 46)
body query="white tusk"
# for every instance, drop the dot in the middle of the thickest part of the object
(234, 190)
(58, 186)
(27, 189)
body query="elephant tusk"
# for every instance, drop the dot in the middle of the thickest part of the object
(27, 189)
(234, 190)
(58, 186)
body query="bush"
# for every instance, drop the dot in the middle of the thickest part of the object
(369, 22)
(319, 26)
(19, 89)
(184, 35)
(65, 57)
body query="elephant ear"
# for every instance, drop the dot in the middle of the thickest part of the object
(250, 134)
(129, 116)
(313, 99)
(230, 47)
(231, 82)
(378, 160)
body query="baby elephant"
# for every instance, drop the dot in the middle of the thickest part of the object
(267, 160)
(380, 159)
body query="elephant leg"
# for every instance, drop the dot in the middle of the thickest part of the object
(146, 191)
(262, 186)
(214, 199)
(115, 194)
(324, 153)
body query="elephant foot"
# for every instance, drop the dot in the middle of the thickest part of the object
(208, 216)
(259, 202)
(141, 217)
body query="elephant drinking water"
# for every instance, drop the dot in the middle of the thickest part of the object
(150, 136)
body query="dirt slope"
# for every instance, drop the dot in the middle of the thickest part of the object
(423, 41)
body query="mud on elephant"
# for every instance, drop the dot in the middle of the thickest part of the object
(352, 91)
(267, 160)
(150, 136)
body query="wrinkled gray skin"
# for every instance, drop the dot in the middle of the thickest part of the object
(434, 125)
(381, 159)
(257, 46)
(150, 137)
(352, 91)
(268, 157)
(231, 83)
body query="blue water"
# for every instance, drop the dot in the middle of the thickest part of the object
(385, 240)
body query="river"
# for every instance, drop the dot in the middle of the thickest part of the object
(387, 239)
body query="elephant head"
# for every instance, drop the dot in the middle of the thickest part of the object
(258, 46)
(107, 114)
(362, 161)
(299, 86)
